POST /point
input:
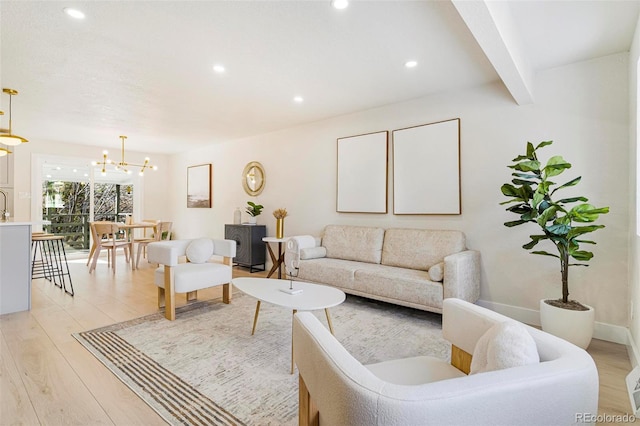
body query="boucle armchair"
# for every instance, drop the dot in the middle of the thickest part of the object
(174, 276)
(335, 389)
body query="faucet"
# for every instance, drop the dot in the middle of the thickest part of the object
(4, 212)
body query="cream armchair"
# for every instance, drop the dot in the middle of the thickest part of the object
(335, 389)
(174, 276)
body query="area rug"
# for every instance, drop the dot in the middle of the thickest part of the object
(205, 368)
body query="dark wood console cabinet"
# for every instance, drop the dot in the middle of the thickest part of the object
(250, 249)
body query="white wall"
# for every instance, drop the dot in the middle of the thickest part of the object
(582, 107)
(155, 184)
(634, 158)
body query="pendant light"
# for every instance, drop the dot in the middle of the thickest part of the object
(122, 164)
(9, 138)
(3, 151)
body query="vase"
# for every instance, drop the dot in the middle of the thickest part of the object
(280, 228)
(237, 217)
(573, 326)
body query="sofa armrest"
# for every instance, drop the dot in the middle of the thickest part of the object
(462, 275)
(293, 247)
(167, 252)
(226, 248)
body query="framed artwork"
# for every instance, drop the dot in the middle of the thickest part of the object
(199, 186)
(362, 173)
(426, 169)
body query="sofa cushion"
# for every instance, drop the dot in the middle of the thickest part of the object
(401, 284)
(419, 248)
(506, 344)
(359, 243)
(414, 371)
(200, 250)
(336, 272)
(195, 276)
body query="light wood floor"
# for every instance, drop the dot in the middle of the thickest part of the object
(48, 378)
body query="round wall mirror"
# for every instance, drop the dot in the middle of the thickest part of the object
(253, 178)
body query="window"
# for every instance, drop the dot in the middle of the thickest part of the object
(68, 194)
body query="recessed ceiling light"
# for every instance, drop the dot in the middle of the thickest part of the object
(340, 4)
(298, 99)
(74, 13)
(411, 64)
(219, 68)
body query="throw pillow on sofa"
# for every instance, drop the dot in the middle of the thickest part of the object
(313, 253)
(436, 272)
(506, 344)
(200, 250)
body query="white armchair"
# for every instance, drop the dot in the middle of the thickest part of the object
(335, 389)
(197, 273)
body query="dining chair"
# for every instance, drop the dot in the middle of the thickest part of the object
(162, 231)
(147, 234)
(94, 238)
(106, 237)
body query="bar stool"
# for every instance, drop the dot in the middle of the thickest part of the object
(40, 265)
(52, 264)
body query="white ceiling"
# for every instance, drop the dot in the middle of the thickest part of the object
(144, 68)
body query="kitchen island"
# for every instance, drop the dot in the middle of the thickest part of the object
(15, 266)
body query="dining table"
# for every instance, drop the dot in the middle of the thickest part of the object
(129, 229)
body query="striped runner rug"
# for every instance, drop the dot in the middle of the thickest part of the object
(206, 368)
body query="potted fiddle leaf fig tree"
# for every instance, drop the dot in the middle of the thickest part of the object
(563, 222)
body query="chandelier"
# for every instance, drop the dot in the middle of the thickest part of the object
(7, 137)
(122, 165)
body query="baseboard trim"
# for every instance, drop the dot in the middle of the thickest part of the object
(632, 349)
(603, 331)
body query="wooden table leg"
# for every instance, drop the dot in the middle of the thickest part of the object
(280, 259)
(129, 236)
(255, 318)
(274, 261)
(326, 311)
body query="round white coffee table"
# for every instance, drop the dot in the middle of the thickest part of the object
(313, 297)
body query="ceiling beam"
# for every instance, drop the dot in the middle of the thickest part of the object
(492, 26)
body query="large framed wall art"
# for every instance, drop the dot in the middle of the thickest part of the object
(426, 169)
(199, 186)
(362, 173)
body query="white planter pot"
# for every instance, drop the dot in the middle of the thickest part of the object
(573, 326)
(253, 220)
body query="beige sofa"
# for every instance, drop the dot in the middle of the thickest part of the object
(418, 268)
